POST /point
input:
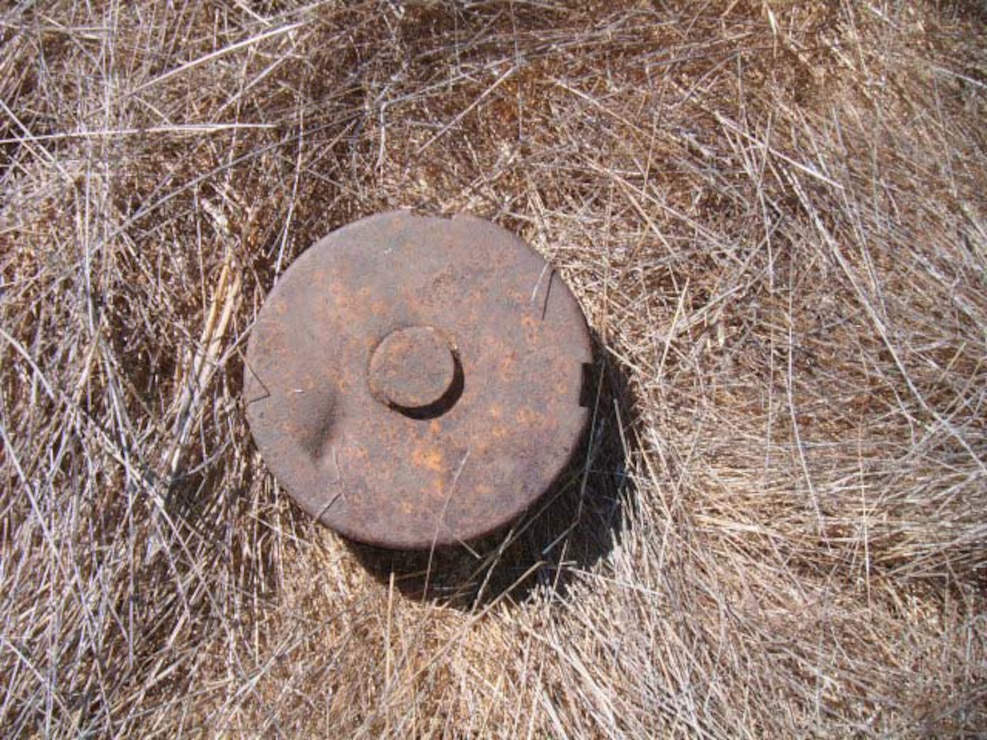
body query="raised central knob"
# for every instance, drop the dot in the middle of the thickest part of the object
(413, 370)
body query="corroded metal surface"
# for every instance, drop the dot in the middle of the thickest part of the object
(412, 370)
(415, 381)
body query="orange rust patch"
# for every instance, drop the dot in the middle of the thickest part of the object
(429, 458)
(525, 416)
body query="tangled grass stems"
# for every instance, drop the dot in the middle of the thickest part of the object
(773, 216)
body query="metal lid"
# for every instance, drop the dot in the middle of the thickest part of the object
(415, 381)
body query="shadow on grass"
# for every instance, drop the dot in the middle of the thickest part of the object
(573, 526)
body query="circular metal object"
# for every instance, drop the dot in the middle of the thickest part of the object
(412, 369)
(416, 381)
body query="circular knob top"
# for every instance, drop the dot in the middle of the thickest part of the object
(412, 369)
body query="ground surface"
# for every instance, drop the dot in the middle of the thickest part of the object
(773, 215)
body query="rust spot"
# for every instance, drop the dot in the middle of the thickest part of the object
(429, 459)
(525, 417)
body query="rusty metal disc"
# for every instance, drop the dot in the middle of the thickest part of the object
(415, 381)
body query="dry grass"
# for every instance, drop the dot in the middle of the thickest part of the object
(773, 214)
